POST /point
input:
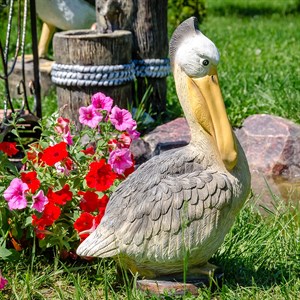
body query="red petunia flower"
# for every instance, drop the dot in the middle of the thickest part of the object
(112, 145)
(60, 197)
(50, 214)
(124, 141)
(100, 215)
(54, 154)
(100, 176)
(68, 163)
(103, 201)
(9, 148)
(34, 154)
(86, 224)
(89, 151)
(129, 171)
(38, 228)
(91, 202)
(31, 180)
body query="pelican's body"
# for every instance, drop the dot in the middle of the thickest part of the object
(181, 204)
(67, 14)
(64, 15)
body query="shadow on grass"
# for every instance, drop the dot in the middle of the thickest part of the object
(239, 273)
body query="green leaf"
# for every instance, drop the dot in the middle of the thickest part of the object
(77, 182)
(3, 219)
(28, 221)
(9, 254)
(4, 253)
(15, 132)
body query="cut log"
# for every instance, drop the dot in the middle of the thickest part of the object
(87, 62)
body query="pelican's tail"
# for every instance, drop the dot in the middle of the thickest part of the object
(98, 245)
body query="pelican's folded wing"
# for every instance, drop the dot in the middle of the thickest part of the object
(153, 202)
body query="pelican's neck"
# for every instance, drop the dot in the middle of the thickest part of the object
(200, 138)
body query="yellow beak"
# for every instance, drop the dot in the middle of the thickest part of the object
(209, 109)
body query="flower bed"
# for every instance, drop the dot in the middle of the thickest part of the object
(60, 194)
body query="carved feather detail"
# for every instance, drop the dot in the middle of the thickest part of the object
(162, 202)
(188, 27)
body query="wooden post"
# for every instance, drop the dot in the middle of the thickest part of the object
(86, 62)
(150, 41)
(147, 20)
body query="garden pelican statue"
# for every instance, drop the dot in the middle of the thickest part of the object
(65, 15)
(181, 203)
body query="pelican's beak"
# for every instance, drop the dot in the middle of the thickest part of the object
(209, 109)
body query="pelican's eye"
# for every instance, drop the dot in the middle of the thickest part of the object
(205, 62)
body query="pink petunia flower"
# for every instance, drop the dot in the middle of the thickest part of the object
(68, 138)
(15, 194)
(125, 140)
(61, 169)
(89, 116)
(121, 119)
(3, 281)
(133, 133)
(39, 201)
(102, 102)
(62, 125)
(120, 160)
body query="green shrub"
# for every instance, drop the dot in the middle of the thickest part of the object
(179, 10)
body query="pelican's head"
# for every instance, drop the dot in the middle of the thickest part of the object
(194, 60)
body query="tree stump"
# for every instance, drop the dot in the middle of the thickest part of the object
(86, 62)
(16, 76)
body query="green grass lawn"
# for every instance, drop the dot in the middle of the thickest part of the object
(260, 258)
(259, 73)
(259, 67)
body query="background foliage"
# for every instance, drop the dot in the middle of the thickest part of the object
(258, 69)
(179, 10)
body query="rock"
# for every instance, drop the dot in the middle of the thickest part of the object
(164, 137)
(141, 151)
(171, 135)
(271, 145)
